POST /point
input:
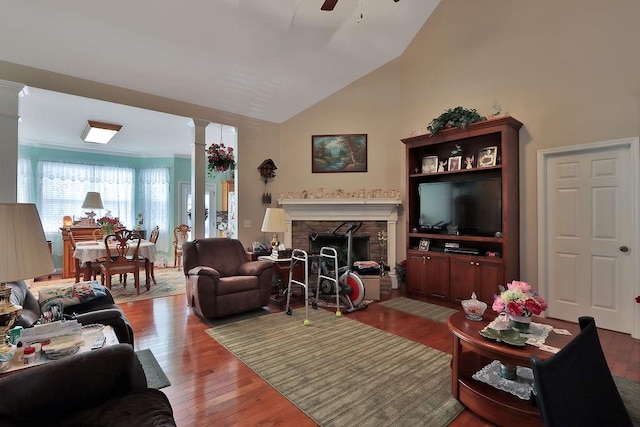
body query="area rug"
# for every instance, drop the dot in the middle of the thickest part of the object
(420, 308)
(343, 372)
(156, 378)
(170, 282)
(629, 391)
(240, 316)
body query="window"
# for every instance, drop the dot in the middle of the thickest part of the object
(63, 186)
(154, 199)
(24, 181)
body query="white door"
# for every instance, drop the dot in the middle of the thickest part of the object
(590, 235)
(209, 204)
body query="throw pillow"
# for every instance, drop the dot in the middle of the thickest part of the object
(69, 295)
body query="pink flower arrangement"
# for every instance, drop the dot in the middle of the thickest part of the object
(108, 224)
(220, 158)
(519, 300)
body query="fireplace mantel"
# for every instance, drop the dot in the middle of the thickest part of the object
(346, 209)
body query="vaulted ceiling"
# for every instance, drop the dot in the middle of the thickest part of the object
(263, 59)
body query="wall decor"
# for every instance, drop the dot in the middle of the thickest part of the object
(339, 153)
(487, 157)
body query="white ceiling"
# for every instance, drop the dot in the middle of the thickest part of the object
(264, 59)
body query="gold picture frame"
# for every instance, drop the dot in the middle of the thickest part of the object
(455, 163)
(487, 157)
(430, 164)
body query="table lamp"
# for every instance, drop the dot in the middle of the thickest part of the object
(274, 223)
(92, 201)
(24, 254)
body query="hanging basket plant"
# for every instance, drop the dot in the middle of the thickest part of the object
(220, 158)
(458, 117)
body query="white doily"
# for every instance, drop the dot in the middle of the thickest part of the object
(537, 335)
(520, 387)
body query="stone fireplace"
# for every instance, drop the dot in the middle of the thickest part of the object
(310, 217)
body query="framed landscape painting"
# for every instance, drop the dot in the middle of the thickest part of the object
(339, 153)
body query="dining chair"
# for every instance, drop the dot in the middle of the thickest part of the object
(575, 387)
(153, 238)
(122, 256)
(180, 235)
(80, 267)
(98, 234)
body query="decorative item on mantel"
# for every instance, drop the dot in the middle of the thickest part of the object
(520, 302)
(339, 193)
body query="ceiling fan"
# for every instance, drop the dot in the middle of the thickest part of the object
(330, 4)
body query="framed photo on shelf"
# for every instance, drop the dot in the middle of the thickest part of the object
(487, 157)
(430, 164)
(424, 245)
(454, 163)
(339, 153)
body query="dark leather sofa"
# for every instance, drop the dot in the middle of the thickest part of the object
(220, 279)
(99, 310)
(105, 387)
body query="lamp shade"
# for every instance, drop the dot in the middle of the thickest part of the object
(24, 253)
(92, 201)
(274, 221)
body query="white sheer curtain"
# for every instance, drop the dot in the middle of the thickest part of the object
(154, 198)
(63, 186)
(25, 184)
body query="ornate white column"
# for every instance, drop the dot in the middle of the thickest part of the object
(9, 140)
(198, 174)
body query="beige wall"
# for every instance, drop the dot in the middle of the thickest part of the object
(569, 70)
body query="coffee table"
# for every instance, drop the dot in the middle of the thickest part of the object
(472, 351)
(17, 363)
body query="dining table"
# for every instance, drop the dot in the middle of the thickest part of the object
(91, 251)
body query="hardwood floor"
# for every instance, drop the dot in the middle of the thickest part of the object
(209, 386)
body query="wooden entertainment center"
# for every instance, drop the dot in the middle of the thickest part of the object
(481, 262)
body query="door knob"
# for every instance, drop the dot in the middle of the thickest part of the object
(624, 249)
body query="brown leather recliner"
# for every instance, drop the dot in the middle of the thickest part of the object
(220, 279)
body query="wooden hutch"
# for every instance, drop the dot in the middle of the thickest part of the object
(447, 275)
(80, 233)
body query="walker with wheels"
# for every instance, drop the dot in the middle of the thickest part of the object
(300, 257)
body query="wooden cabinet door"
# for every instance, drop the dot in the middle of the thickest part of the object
(490, 276)
(462, 278)
(416, 273)
(436, 276)
(475, 274)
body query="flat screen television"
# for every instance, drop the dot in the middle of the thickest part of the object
(474, 206)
